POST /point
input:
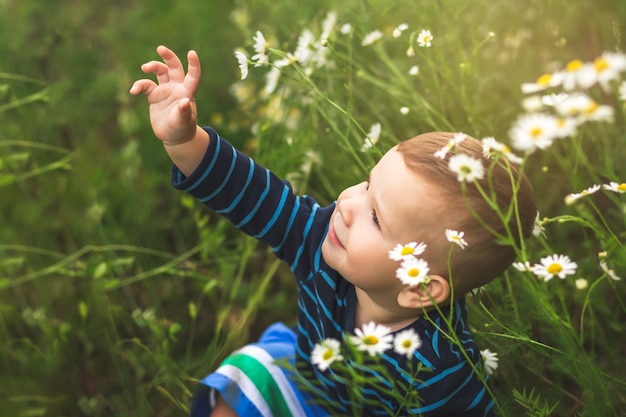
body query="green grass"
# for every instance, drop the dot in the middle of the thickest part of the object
(117, 293)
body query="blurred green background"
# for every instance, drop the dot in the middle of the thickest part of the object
(116, 291)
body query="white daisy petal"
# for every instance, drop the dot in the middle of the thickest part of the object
(456, 237)
(413, 272)
(467, 168)
(406, 342)
(424, 38)
(407, 251)
(372, 338)
(490, 361)
(615, 187)
(325, 353)
(372, 37)
(242, 59)
(609, 272)
(554, 266)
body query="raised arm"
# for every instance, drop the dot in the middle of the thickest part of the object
(173, 113)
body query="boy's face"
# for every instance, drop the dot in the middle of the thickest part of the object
(394, 206)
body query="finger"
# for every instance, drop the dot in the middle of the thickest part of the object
(175, 68)
(142, 86)
(192, 79)
(157, 68)
(184, 107)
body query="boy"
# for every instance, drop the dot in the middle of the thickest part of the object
(340, 257)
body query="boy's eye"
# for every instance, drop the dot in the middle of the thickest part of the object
(374, 215)
(375, 218)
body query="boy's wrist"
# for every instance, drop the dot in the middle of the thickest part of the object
(188, 155)
(198, 134)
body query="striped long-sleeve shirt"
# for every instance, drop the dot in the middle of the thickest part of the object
(265, 207)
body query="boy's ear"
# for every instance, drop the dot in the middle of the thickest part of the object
(437, 291)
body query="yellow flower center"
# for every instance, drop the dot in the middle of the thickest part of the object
(555, 268)
(466, 170)
(413, 272)
(536, 131)
(574, 65)
(591, 108)
(406, 344)
(407, 250)
(544, 79)
(327, 354)
(622, 186)
(600, 64)
(560, 122)
(506, 149)
(370, 340)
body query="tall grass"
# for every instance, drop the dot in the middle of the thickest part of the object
(117, 294)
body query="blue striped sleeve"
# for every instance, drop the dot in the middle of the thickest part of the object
(255, 200)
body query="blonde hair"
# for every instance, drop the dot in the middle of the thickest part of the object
(485, 257)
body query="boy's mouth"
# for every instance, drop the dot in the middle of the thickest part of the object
(332, 236)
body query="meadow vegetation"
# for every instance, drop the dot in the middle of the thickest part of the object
(117, 292)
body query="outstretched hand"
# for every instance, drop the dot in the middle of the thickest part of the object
(173, 112)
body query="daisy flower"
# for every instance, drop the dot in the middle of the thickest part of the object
(406, 342)
(553, 99)
(522, 266)
(608, 68)
(372, 338)
(305, 47)
(490, 360)
(424, 38)
(467, 168)
(538, 228)
(456, 139)
(571, 198)
(582, 106)
(456, 237)
(372, 137)
(578, 75)
(271, 80)
(622, 91)
(532, 104)
(407, 251)
(533, 131)
(475, 292)
(615, 187)
(242, 59)
(328, 25)
(397, 32)
(611, 274)
(491, 148)
(325, 353)
(372, 37)
(565, 127)
(554, 265)
(413, 272)
(543, 82)
(581, 283)
(260, 47)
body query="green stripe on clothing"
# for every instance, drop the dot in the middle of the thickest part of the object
(263, 380)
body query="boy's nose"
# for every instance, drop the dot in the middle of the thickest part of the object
(346, 203)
